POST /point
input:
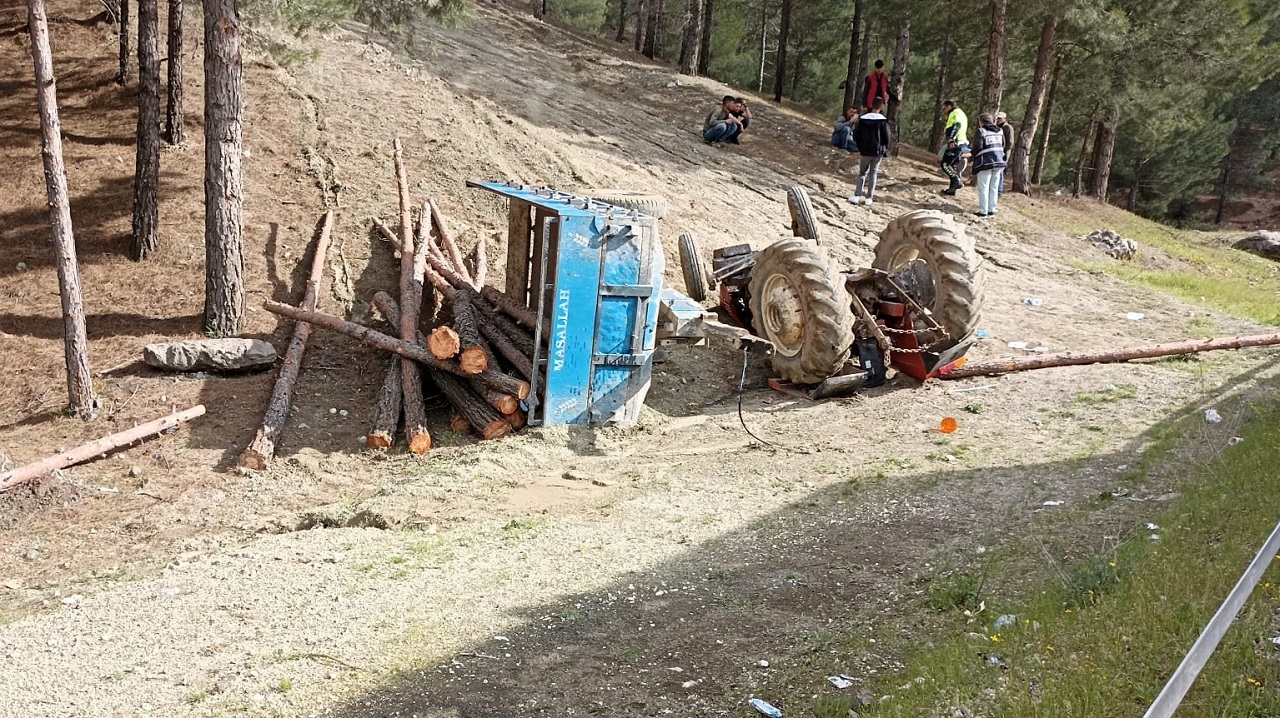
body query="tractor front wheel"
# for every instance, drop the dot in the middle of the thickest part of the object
(799, 303)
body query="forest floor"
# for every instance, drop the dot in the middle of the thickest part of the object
(480, 581)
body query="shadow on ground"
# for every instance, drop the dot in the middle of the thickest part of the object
(804, 588)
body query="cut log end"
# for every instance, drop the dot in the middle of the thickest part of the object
(419, 441)
(378, 440)
(459, 425)
(443, 343)
(473, 360)
(496, 429)
(515, 418)
(252, 460)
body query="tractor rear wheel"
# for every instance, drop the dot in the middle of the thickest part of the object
(649, 204)
(804, 223)
(932, 258)
(799, 303)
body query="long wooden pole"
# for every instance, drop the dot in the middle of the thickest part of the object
(75, 341)
(411, 273)
(1005, 365)
(23, 474)
(490, 377)
(258, 454)
(446, 239)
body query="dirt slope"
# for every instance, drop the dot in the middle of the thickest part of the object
(504, 587)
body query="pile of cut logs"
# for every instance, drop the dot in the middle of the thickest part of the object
(477, 348)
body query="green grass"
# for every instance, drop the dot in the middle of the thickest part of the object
(1099, 637)
(1209, 272)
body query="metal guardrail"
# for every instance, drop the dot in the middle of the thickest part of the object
(1180, 682)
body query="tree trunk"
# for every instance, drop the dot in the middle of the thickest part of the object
(223, 180)
(98, 447)
(1224, 188)
(993, 84)
(641, 14)
(482, 417)
(412, 350)
(75, 342)
(704, 40)
(689, 40)
(411, 274)
(1081, 162)
(764, 43)
(864, 55)
(1133, 189)
(1042, 147)
(1108, 356)
(898, 82)
(508, 306)
(622, 21)
(780, 61)
(853, 76)
(146, 176)
(447, 241)
(472, 358)
(1018, 166)
(386, 415)
(444, 343)
(940, 94)
(262, 449)
(539, 8)
(122, 37)
(652, 27)
(1104, 151)
(173, 129)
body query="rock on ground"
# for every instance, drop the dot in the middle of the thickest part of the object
(1263, 244)
(212, 354)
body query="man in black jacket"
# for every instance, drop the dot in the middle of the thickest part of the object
(873, 145)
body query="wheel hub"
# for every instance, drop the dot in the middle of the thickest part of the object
(783, 318)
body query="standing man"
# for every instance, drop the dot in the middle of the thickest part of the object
(1002, 121)
(873, 144)
(721, 124)
(843, 136)
(877, 86)
(988, 164)
(956, 133)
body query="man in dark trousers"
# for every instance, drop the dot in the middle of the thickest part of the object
(876, 86)
(956, 152)
(1002, 121)
(873, 145)
(743, 113)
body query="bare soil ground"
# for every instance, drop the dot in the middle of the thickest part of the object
(480, 581)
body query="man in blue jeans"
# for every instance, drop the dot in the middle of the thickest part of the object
(843, 136)
(721, 124)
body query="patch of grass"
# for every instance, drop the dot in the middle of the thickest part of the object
(285, 685)
(516, 529)
(196, 697)
(1100, 637)
(572, 613)
(1110, 393)
(955, 591)
(1212, 273)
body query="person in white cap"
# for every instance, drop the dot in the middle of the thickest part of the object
(1002, 121)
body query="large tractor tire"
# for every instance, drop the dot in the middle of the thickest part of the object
(695, 276)
(804, 223)
(799, 303)
(937, 264)
(649, 204)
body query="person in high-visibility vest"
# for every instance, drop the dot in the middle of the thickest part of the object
(956, 152)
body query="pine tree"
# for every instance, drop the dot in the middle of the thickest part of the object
(223, 180)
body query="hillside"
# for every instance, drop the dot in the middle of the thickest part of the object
(480, 581)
